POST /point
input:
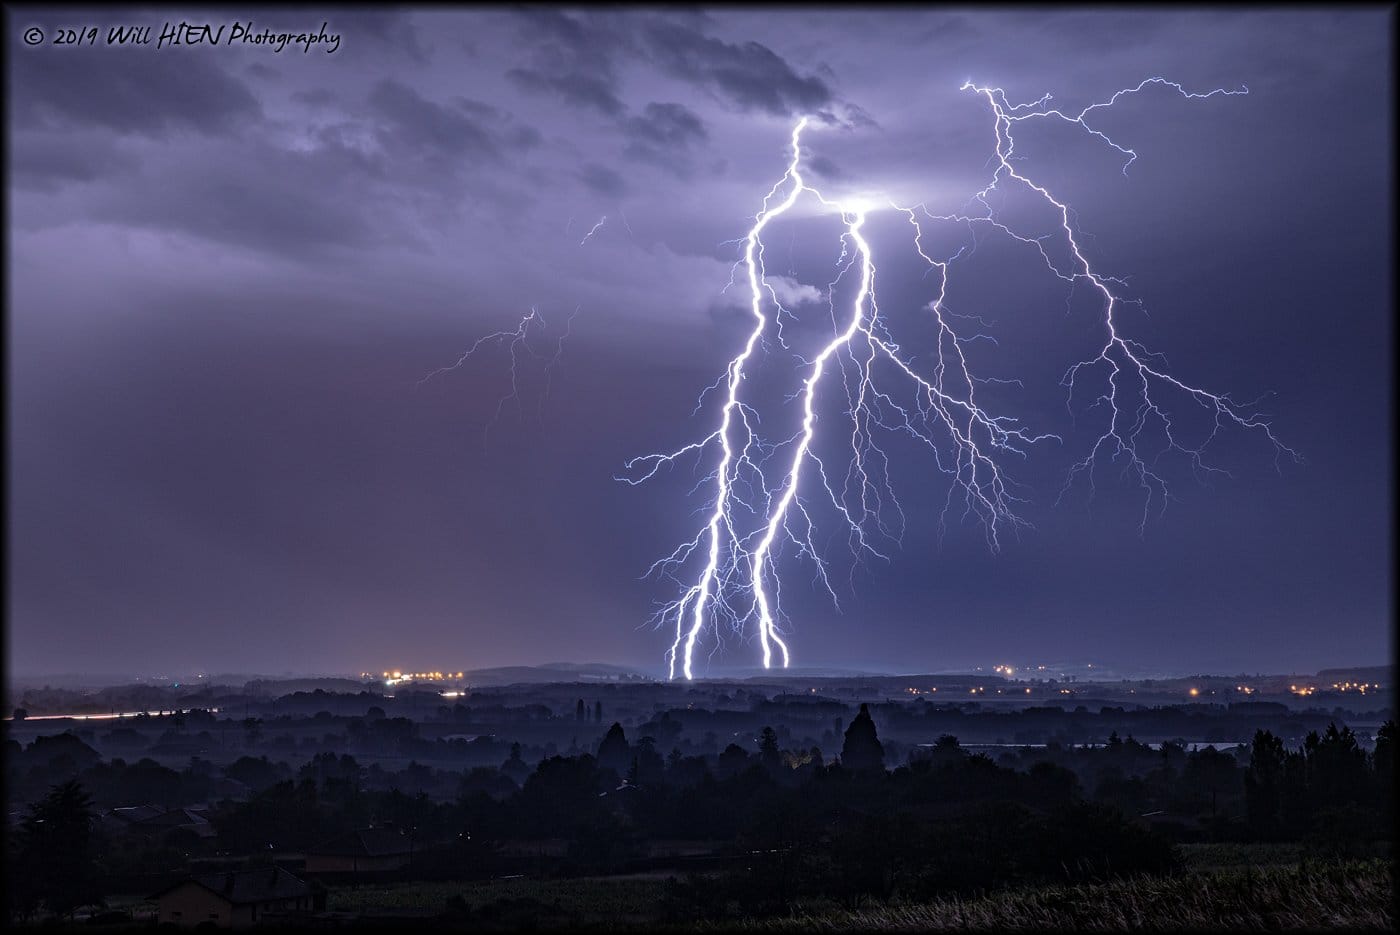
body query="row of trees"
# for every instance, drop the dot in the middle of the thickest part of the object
(788, 823)
(1329, 787)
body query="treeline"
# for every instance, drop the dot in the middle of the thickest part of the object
(780, 824)
(1052, 723)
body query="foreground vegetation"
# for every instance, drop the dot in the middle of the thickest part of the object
(1352, 895)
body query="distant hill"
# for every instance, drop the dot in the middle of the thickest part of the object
(553, 672)
(287, 686)
(1375, 675)
(758, 673)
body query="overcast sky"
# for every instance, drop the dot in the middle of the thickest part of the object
(230, 267)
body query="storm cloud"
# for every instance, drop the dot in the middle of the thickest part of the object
(231, 270)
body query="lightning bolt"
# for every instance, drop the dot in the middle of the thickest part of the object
(518, 343)
(754, 508)
(1124, 361)
(593, 230)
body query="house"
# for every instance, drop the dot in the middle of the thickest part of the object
(367, 851)
(233, 900)
(121, 820)
(154, 821)
(190, 819)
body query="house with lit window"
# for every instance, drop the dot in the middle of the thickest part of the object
(233, 900)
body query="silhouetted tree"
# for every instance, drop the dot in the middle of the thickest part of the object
(1383, 766)
(255, 773)
(325, 769)
(614, 753)
(1052, 785)
(516, 767)
(559, 796)
(733, 760)
(1210, 776)
(768, 753)
(1263, 784)
(946, 750)
(54, 865)
(62, 753)
(647, 765)
(862, 751)
(580, 712)
(597, 712)
(1336, 765)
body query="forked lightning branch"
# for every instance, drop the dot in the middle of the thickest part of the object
(727, 572)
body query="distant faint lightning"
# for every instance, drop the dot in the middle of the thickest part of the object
(593, 230)
(519, 344)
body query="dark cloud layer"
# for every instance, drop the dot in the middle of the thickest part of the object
(147, 94)
(47, 160)
(750, 75)
(664, 134)
(575, 88)
(410, 120)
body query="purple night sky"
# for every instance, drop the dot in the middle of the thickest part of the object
(230, 267)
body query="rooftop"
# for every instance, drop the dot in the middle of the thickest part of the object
(247, 886)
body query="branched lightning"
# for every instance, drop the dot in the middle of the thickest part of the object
(518, 343)
(1124, 361)
(762, 491)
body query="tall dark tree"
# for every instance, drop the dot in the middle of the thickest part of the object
(862, 751)
(559, 796)
(648, 768)
(55, 868)
(515, 767)
(614, 752)
(946, 750)
(768, 753)
(580, 712)
(1383, 764)
(1263, 784)
(597, 712)
(733, 760)
(1336, 765)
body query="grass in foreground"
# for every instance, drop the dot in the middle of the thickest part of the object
(1355, 895)
(589, 899)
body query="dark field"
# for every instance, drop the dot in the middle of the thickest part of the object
(1229, 889)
